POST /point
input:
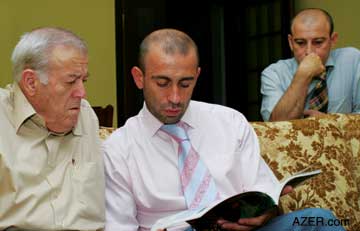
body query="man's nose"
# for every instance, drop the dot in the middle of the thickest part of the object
(309, 48)
(174, 96)
(80, 91)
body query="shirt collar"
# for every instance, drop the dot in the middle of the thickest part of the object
(330, 61)
(190, 116)
(79, 130)
(23, 110)
(152, 124)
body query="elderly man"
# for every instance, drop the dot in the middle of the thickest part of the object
(51, 170)
(179, 154)
(317, 80)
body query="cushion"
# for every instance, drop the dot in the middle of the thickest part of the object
(315, 143)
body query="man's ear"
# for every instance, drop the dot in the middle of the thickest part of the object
(138, 77)
(334, 38)
(198, 72)
(290, 42)
(29, 82)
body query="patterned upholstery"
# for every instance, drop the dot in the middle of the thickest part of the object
(330, 143)
(104, 132)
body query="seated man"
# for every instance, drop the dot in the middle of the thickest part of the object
(51, 168)
(317, 80)
(179, 154)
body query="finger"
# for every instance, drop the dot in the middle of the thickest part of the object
(313, 113)
(258, 221)
(236, 226)
(221, 221)
(287, 189)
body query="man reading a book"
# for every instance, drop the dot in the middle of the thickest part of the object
(179, 154)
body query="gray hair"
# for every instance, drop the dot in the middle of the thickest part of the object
(34, 50)
(171, 41)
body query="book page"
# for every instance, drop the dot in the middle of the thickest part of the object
(298, 178)
(293, 181)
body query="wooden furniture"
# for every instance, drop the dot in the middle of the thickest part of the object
(105, 115)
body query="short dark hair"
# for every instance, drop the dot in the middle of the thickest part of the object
(171, 41)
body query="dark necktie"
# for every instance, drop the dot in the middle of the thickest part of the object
(319, 95)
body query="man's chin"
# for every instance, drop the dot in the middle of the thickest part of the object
(172, 120)
(68, 125)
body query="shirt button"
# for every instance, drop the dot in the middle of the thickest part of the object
(55, 195)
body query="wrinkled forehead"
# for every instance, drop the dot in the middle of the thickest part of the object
(64, 54)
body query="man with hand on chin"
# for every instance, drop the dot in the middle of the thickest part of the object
(317, 79)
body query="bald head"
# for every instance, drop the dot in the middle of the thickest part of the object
(170, 41)
(312, 16)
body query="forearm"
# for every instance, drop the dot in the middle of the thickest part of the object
(291, 105)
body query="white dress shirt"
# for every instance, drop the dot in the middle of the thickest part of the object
(142, 178)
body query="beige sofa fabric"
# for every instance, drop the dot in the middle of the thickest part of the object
(330, 143)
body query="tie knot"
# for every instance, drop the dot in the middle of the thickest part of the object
(322, 76)
(176, 131)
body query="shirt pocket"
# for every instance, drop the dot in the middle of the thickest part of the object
(89, 188)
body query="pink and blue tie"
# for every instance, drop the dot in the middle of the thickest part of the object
(197, 183)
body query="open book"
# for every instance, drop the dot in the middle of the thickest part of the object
(243, 205)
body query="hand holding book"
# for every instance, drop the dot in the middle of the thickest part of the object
(254, 207)
(252, 222)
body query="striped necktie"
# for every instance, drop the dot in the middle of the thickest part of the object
(197, 184)
(319, 95)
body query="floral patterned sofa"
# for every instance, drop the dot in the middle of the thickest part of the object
(330, 143)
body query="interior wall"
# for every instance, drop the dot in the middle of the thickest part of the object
(92, 20)
(346, 18)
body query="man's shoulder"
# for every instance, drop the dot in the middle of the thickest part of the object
(121, 136)
(282, 65)
(215, 112)
(5, 92)
(120, 143)
(211, 107)
(86, 108)
(87, 116)
(345, 52)
(5, 99)
(5, 105)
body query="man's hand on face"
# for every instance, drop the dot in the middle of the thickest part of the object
(246, 224)
(311, 66)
